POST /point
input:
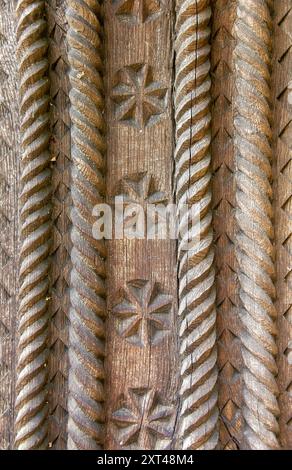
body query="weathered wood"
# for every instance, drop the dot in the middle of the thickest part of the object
(60, 149)
(254, 250)
(198, 414)
(229, 326)
(35, 221)
(87, 284)
(9, 177)
(282, 76)
(141, 328)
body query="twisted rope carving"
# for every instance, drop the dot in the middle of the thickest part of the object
(35, 215)
(198, 414)
(255, 253)
(86, 352)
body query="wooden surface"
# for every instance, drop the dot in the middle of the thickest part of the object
(86, 392)
(9, 178)
(228, 324)
(254, 249)
(60, 147)
(198, 415)
(143, 370)
(142, 354)
(283, 207)
(31, 404)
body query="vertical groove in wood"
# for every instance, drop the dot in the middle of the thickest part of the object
(60, 149)
(254, 216)
(87, 287)
(198, 416)
(141, 328)
(229, 326)
(35, 220)
(282, 88)
(9, 175)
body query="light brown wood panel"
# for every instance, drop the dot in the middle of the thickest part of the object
(141, 360)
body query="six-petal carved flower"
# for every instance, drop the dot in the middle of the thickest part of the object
(143, 420)
(142, 312)
(139, 100)
(140, 188)
(137, 11)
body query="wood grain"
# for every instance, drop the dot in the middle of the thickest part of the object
(141, 358)
(229, 325)
(60, 149)
(87, 283)
(254, 217)
(35, 227)
(198, 415)
(282, 98)
(9, 178)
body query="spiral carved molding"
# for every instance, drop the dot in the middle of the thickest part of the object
(87, 295)
(254, 215)
(35, 219)
(198, 415)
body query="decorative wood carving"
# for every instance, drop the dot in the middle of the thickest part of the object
(198, 415)
(143, 420)
(35, 220)
(9, 175)
(88, 309)
(137, 11)
(228, 322)
(60, 149)
(282, 77)
(140, 100)
(118, 339)
(254, 238)
(141, 365)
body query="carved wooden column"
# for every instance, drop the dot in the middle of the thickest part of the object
(87, 284)
(141, 326)
(35, 220)
(252, 117)
(198, 414)
(9, 176)
(282, 87)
